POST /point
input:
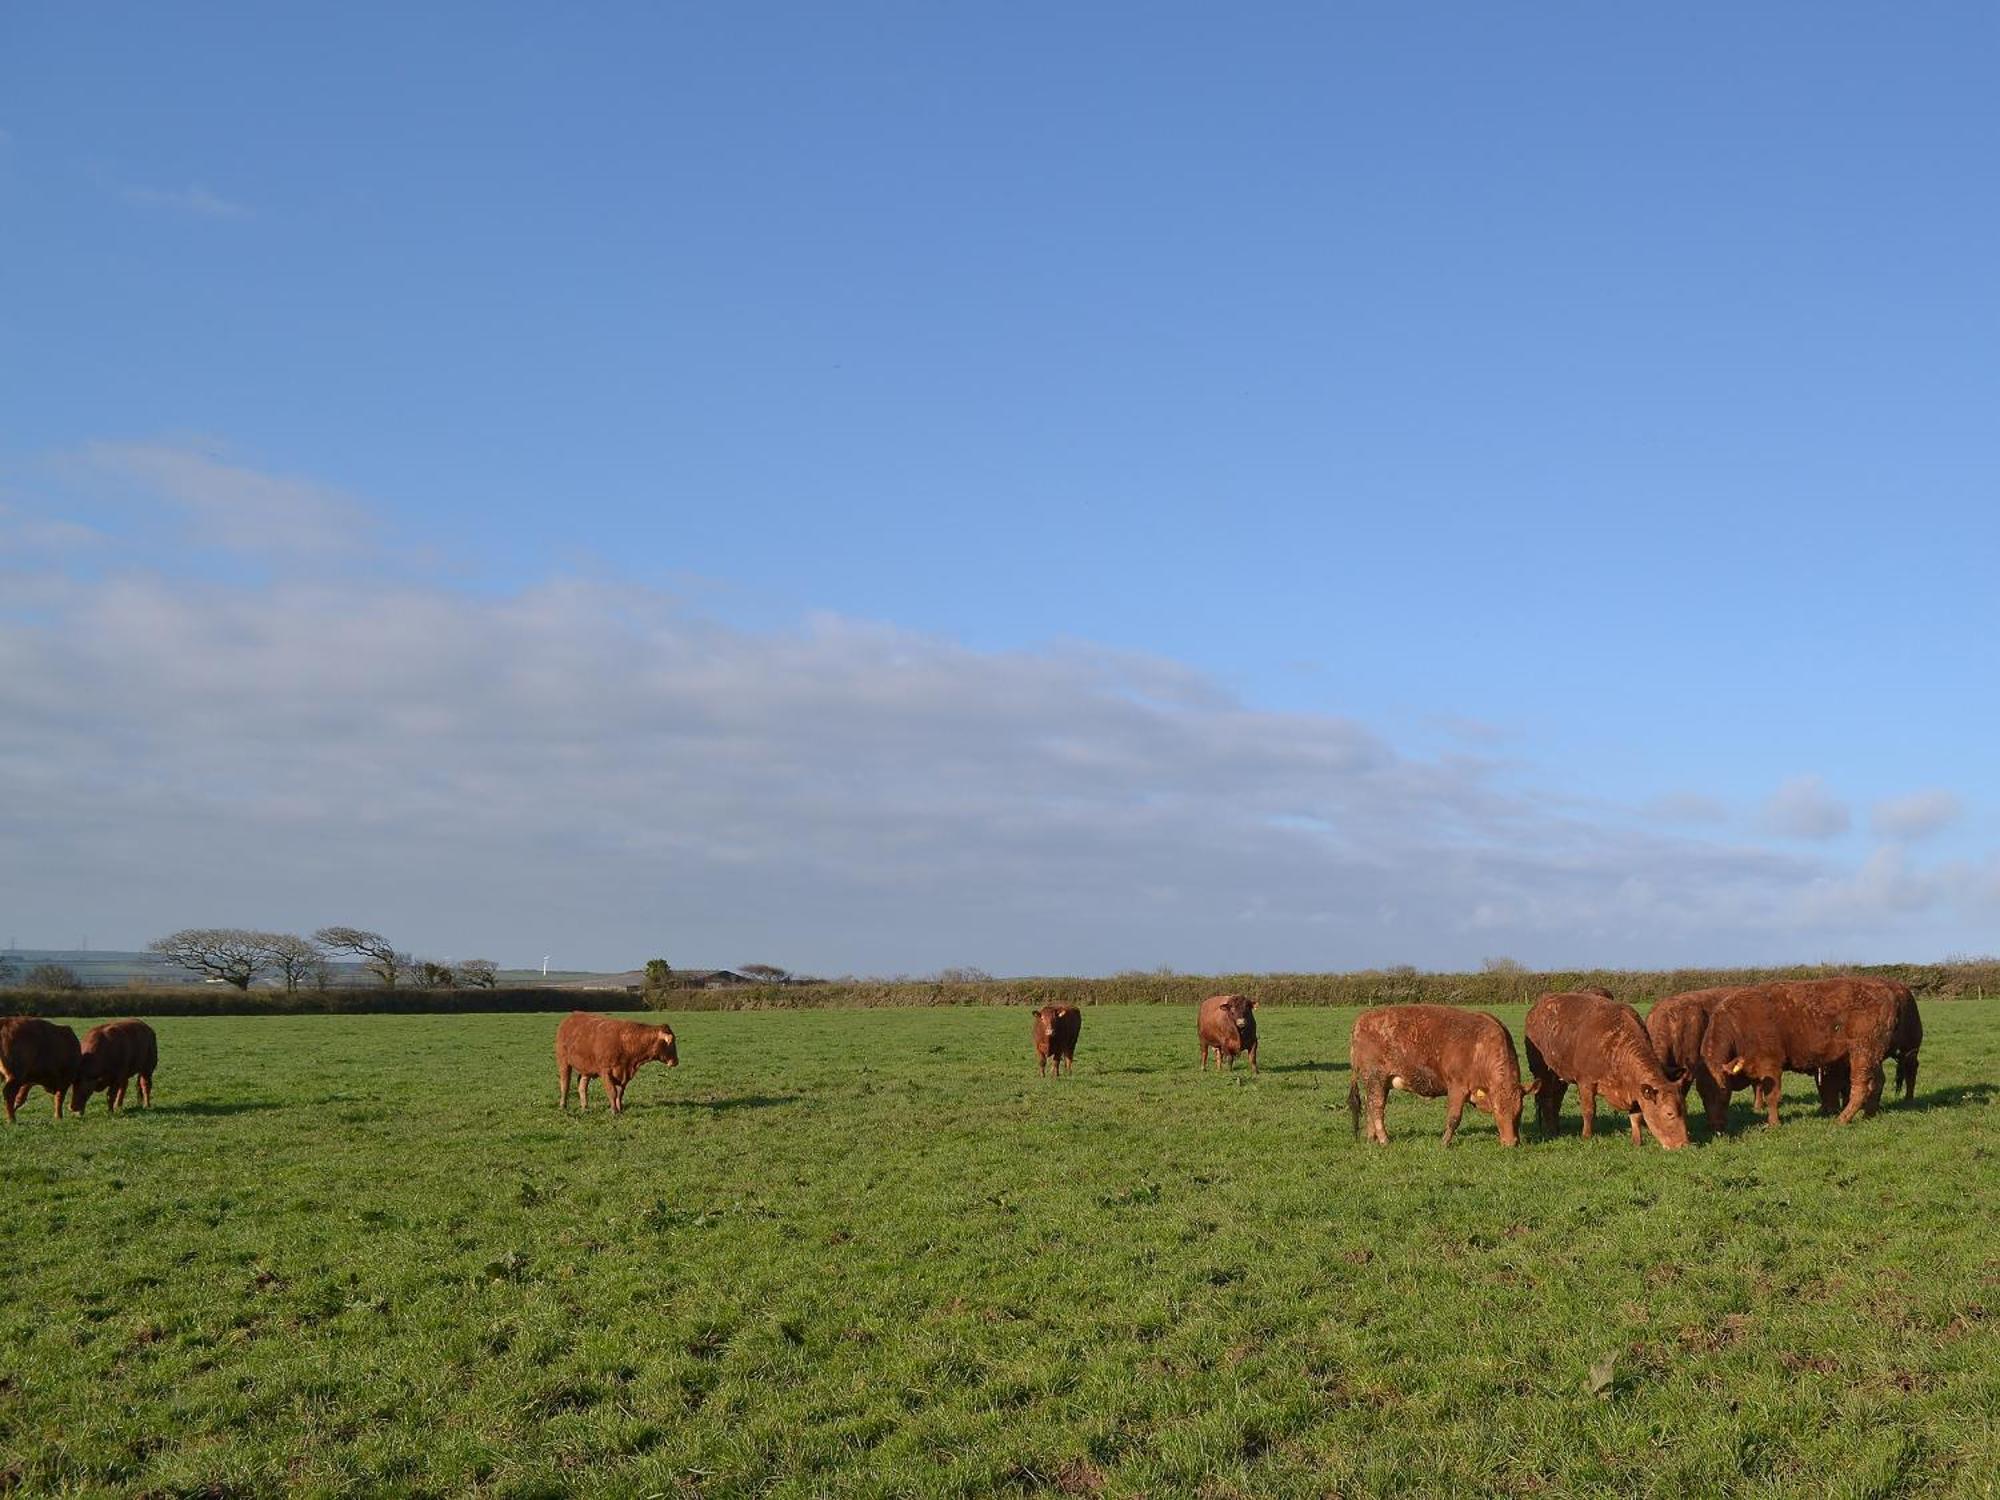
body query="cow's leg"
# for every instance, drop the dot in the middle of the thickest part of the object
(1637, 1138)
(1862, 1068)
(1586, 1098)
(1714, 1099)
(1454, 1109)
(1906, 1074)
(583, 1090)
(562, 1086)
(1042, 1064)
(146, 1090)
(59, 1093)
(10, 1101)
(1549, 1103)
(1774, 1089)
(1253, 1057)
(1204, 1057)
(117, 1101)
(1378, 1105)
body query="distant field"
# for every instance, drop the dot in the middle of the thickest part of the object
(869, 1252)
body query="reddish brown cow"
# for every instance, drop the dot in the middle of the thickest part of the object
(1676, 1026)
(113, 1055)
(1056, 1031)
(600, 1047)
(1904, 1043)
(1228, 1024)
(1601, 1046)
(34, 1051)
(1430, 1050)
(1806, 1025)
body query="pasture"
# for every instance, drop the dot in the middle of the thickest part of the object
(872, 1253)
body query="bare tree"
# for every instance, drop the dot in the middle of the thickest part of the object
(432, 975)
(289, 956)
(478, 973)
(376, 952)
(53, 977)
(769, 973)
(226, 953)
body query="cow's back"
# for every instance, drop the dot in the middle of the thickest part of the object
(1677, 1024)
(36, 1051)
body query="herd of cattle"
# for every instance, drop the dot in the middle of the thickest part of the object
(1839, 1032)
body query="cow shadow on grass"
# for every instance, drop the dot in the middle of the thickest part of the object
(202, 1108)
(734, 1101)
(1306, 1067)
(1954, 1097)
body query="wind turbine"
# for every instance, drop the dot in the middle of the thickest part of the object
(545, 966)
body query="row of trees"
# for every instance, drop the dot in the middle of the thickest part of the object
(238, 955)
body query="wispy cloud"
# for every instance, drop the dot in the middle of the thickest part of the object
(1686, 807)
(1803, 808)
(194, 199)
(228, 505)
(1917, 815)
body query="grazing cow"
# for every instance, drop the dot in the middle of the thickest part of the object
(1431, 1050)
(1904, 1043)
(1807, 1026)
(113, 1055)
(34, 1051)
(1676, 1026)
(1056, 1031)
(600, 1047)
(1601, 1046)
(1228, 1024)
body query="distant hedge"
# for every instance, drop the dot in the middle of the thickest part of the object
(1369, 987)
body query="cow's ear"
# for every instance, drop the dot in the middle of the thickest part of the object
(1253, 1004)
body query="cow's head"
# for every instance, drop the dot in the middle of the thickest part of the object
(1502, 1100)
(1666, 1116)
(664, 1049)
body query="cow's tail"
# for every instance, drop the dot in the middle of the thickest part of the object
(1354, 1106)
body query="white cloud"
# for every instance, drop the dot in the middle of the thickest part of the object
(193, 199)
(1803, 808)
(602, 771)
(1917, 815)
(1686, 807)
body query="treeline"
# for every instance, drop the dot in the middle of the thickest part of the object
(1505, 986)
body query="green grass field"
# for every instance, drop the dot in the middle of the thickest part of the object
(872, 1253)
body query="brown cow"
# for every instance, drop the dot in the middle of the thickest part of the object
(1676, 1026)
(1227, 1023)
(113, 1055)
(1805, 1025)
(1056, 1030)
(1904, 1043)
(1600, 1045)
(601, 1047)
(34, 1051)
(1433, 1050)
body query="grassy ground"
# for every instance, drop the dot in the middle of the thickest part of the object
(872, 1253)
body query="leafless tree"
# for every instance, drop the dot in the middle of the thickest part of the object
(376, 952)
(478, 973)
(432, 975)
(289, 956)
(226, 953)
(53, 977)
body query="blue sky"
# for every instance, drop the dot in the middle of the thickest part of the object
(1591, 411)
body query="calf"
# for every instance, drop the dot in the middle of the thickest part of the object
(1601, 1046)
(34, 1051)
(1056, 1031)
(1676, 1026)
(600, 1047)
(1430, 1050)
(113, 1055)
(1228, 1024)
(1807, 1026)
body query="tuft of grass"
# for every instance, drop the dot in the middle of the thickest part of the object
(870, 1252)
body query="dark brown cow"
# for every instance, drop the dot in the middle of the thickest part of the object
(1056, 1031)
(1904, 1044)
(1805, 1025)
(1600, 1045)
(601, 1047)
(1228, 1024)
(1433, 1050)
(34, 1051)
(113, 1055)
(1676, 1026)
